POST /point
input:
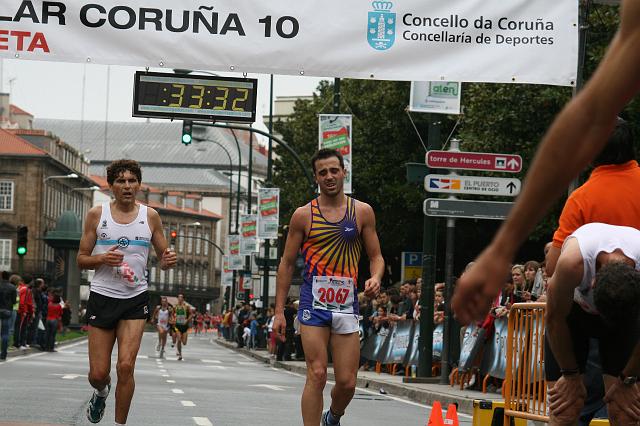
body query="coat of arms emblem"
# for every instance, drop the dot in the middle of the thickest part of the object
(381, 28)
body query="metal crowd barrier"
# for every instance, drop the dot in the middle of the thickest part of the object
(525, 387)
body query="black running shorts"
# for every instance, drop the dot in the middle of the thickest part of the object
(616, 343)
(105, 312)
(182, 328)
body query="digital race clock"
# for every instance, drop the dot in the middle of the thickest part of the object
(194, 97)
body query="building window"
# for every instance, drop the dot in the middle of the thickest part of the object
(6, 195)
(153, 278)
(5, 255)
(163, 276)
(205, 278)
(196, 278)
(207, 235)
(190, 242)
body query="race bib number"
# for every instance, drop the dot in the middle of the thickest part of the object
(181, 319)
(333, 294)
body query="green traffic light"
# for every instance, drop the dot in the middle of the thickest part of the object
(21, 251)
(186, 139)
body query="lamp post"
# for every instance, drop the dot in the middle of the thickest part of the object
(230, 191)
(226, 151)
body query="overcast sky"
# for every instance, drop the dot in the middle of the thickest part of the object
(54, 89)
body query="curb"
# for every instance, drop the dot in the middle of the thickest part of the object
(422, 396)
(30, 351)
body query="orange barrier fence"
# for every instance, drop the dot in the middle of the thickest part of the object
(525, 389)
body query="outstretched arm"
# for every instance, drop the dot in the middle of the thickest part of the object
(372, 246)
(578, 134)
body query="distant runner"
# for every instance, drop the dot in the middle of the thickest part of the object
(182, 314)
(161, 316)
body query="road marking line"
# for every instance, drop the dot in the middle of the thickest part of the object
(171, 381)
(187, 403)
(272, 387)
(70, 376)
(246, 363)
(177, 391)
(211, 361)
(166, 375)
(163, 371)
(202, 421)
(219, 367)
(142, 357)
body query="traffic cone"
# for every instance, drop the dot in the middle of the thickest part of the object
(452, 416)
(435, 419)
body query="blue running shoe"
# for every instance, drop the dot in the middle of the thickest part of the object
(96, 407)
(325, 420)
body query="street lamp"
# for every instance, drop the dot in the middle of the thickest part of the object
(197, 140)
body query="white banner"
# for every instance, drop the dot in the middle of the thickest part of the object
(248, 234)
(268, 212)
(236, 260)
(334, 132)
(226, 273)
(517, 41)
(439, 97)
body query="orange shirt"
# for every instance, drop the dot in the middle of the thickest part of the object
(610, 195)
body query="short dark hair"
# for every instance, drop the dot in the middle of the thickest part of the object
(323, 154)
(5, 275)
(619, 148)
(118, 167)
(617, 293)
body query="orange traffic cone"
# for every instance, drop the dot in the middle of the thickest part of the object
(452, 416)
(435, 419)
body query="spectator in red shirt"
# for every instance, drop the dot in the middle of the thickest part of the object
(54, 315)
(26, 312)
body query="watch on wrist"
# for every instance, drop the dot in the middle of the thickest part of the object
(628, 380)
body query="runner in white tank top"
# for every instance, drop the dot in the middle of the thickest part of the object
(115, 243)
(161, 316)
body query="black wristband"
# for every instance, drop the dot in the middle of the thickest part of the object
(570, 371)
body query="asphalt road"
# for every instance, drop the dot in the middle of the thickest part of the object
(211, 386)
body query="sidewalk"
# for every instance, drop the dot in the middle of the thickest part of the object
(422, 393)
(13, 352)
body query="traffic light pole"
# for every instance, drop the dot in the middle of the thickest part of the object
(266, 271)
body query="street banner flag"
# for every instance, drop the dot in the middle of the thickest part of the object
(268, 212)
(335, 132)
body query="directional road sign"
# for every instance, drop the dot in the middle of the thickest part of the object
(474, 161)
(472, 209)
(480, 185)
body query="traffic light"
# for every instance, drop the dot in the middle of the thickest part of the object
(21, 247)
(174, 235)
(187, 127)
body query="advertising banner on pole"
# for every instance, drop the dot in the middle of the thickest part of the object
(268, 212)
(439, 97)
(227, 273)
(248, 234)
(334, 132)
(236, 260)
(388, 40)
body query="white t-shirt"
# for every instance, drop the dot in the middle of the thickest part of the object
(593, 239)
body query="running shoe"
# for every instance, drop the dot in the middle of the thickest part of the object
(180, 356)
(325, 420)
(96, 407)
(158, 346)
(162, 353)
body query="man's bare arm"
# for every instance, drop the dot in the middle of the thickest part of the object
(88, 241)
(566, 278)
(372, 246)
(295, 238)
(167, 258)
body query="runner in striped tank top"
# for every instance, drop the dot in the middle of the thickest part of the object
(330, 233)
